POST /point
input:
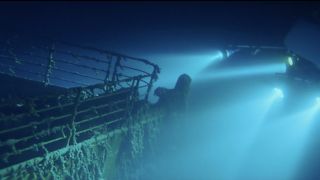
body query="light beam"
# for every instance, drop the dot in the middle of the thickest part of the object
(244, 71)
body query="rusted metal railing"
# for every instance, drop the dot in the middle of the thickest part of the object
(101, 88)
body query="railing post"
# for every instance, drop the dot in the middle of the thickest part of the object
(115, 71)
(154, 76)
(50, 66)
(107, 85)
(106, 79)
(72, 140)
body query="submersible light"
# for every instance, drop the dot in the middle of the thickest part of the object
(278, 92)
(290, 61)
(229, 52)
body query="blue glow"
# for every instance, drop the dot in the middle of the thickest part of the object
(239, 130)
(234, 137)
(318, 100)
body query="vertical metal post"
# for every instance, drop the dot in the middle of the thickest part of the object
(131, 98)
(115, 71)
(50, 66)
(106, 79)
(153, 77)
(72, 136)
(107, 85)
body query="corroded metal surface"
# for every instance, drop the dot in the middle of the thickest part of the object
(97, 101)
